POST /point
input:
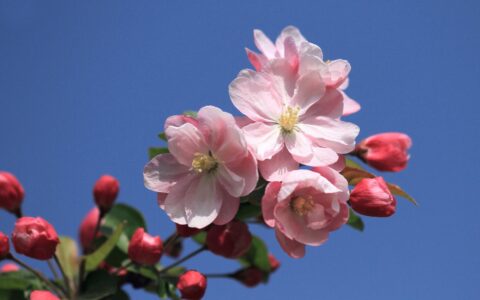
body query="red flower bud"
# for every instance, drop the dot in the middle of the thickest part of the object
(43, 295)
(250, 277)
(371, 197)
(192, 285)
(145, 249)
(4, 246)
(385, 151)
(231, 240)
(35, 238)
(185, 231)
(105, 192)
(87, 228)
(9, 268)
(274, 263)
(11, 193)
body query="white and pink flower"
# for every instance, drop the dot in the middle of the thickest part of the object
(293, 121)
(305, 207)
(302, 57)
(208, 169)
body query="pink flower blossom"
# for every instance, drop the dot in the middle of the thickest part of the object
(291, 124)
(302, 57)
(305, 207)
(208, 169)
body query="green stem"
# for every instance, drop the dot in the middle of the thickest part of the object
(199, 250)
(65, 278)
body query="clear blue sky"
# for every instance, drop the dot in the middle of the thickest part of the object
(86, 87)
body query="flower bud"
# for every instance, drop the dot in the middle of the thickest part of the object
(4, 246)
(43, 295)
(274, 263)
(250, 277)
(9, 268)
(185, 231)
(385, 151)
(35, 238)
(145, 249)
(192, 285)
(371, 197)
(87, 228)
(105, 192)
(231, 240)
(11, 193)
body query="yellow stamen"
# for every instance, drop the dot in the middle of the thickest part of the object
(289, 119)
(203, 163)
(302, 205)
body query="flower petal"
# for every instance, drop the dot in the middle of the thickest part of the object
(309, 89)
(248, 170)
(264, 44)
(174, 204)
(306, 152)
(229, 208)
(162, 172)
(330, 105)
(184, 142)
(350, 106)
(293, 248)
(289, 32)
(280, 164)
(257, 60)
(232, 182)
(265, 140)
(269, 200)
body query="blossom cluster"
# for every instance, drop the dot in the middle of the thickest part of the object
(290, 162)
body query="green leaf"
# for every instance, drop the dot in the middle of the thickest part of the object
(355, 221)
(255, 197)
(162, 136)
(200, 237)
(396, 190)
(190, 113)
(153, 151)
(94, 259)
(120, 295)
(98, 285)
(18, 280)
(67, 253)
(13, 295)
(257, 255)
(352, 164)
(121, 213)
(248, 211)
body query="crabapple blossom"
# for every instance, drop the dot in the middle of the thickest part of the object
(371, 197)
(145, 249)
(105, 192)
(87, 228)
(11, 193)
(35, 238)
(208, 169)
(192, 285)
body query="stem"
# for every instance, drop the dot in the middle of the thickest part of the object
(171, 240)
(199, 250)
(219, 275)
(65, 278)
(52, 269)
(18, 213)
(39, 275)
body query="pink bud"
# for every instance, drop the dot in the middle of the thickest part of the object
(88, 226)
(192, 285)
(185, 231)
(9, 268)
(105, 192)
(385, 151)
(250, 277)
(371, 197)
(43, 295)
(231, 240)
(4, 246)
(11, 193)
(274, 263)
(145, 249)
(35, 238)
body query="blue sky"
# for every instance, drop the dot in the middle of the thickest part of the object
(86, 87)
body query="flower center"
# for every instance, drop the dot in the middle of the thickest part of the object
(289, 119)
(302, 205)
(203, 163)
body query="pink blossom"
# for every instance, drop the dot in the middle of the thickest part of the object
(208, 169)
(305, 207)
(291, 124)
(302, 57)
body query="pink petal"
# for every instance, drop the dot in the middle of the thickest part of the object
(175, 202)
(291, 53)
(203, 201)
(242, 121)
(269, 201)
(184, 142)
(179, 120)
(336, 72)
(265, 140)
(253, 95)
(293, 248)
(309, 89)
(350, 106)
(289, 32)
(306, 152)
(335, 134)
(301, 178)
(233, 183)
(229, 208)
(257, 60)
(280, 164)
(222, 135)
(264, 44)
(336, 179)
(339, 165)
(162, 172)
(247, 169)
(308, 49)
(161, 197)
(330, 105)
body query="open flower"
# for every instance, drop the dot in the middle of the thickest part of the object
(291, 124)
(208, 169)
(305, 207)
(302, 57)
